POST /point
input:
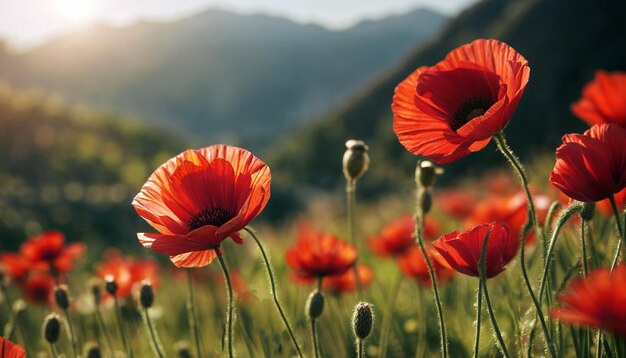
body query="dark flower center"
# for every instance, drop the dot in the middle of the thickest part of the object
(470, 109)
(215, 216)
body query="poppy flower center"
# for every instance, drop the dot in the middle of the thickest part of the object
(472, 107)
(214, 216)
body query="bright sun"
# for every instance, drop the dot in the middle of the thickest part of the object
(78, 11)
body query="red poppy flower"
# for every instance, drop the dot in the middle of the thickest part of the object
(603, 99)
(598, 301)
(198, 199)
(317, 254)
(399, 236)
(413, 265)
(15, 266)
(38, 288)
(605, 207)
(47, 251)
(9, 349)
(128, 273)
(462, 250)
(449, 110)
(345, 282)
(591, 166)
(456, 203)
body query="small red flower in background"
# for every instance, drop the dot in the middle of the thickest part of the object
(604, 206)
(15, 266)
(317, 254)
(449, 110)
(603, 100)
(399, 236)
(198, 199)
(345, 282)
(462, 250)
(456, 203)
(598, 301)
(128, 273)
(413, 265)
(47, 252)
(38, 288)
(9, 349)
(591, 166)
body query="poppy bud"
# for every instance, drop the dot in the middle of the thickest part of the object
(356, 160)
(182, 350)
(315, 304)
(425, 200)
(362, 320)
(111, 285)
(589, 209)
(146, 294)
(61, 297)
(91, 350)
(52, 328)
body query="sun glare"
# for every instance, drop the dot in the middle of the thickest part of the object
(79, 11)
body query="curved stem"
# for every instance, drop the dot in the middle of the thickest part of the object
(350, 211)
(229, 314)
(191, 313)
(479, 299)
(387, 318)
(621, 233)
(154, 339)
(72, 334)
(270, 273)
(506, 151)
(583, 246)
(118, 313)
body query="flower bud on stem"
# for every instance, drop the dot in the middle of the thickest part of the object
(362, 323)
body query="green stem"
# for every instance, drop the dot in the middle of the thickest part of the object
(103, 327)
(599, 344)
(506, 151)
(191, 313)
(314, 338)
(359, 351)
(479, 299)
(120, 323)
(620, 231)
(583, 246)
(270, 273)
(72, 334)
(154, 339)
(387, 318)
(53, 349)
(229, 314)
(350, 211)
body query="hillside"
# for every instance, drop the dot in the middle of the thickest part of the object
(564, 41)
(217, 75)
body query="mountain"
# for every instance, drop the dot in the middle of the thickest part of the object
(565, 42)
(221, 76)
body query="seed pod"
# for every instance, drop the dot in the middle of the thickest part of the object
(182, 350)
(426, 172)
(146, 294)
(111, 285)
(362, 320)
(61, 297)
(356, 160)
(91, 350)
(52, 328)
(425, 200)
(589, 209)
(315, 304)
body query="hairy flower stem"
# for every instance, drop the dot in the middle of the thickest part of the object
(105, 332)
(71, 333)
(621, 233)
(359, 351)
(229, 313)
(508, 154)
(479, 299)
(120, 324)
(350, 211)
(191, 313)
(583, 246)
(53, 349)
(155, 343)
(270, 273)
(316, 353)
(387, 318)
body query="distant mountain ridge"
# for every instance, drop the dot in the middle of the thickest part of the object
(219, 75)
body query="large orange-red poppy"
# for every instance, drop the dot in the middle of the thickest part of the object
(603, 99)
(449, 110)
(9, 349)
(399, 236)
(597, 301)
(591, 166)
(462, 250)
(317, 254)
(198, 199)
(47, 251)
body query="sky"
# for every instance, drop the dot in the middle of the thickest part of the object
(26, 23)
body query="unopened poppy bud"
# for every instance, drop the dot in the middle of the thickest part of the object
(61, 297)
(91, 350)
(356, 160)
(111, 285)
(426, 173)
(315, 304)
(425, 201)
(362, 320)
(589, 209)
(52, 328)
(182, 350)
(146, 294)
